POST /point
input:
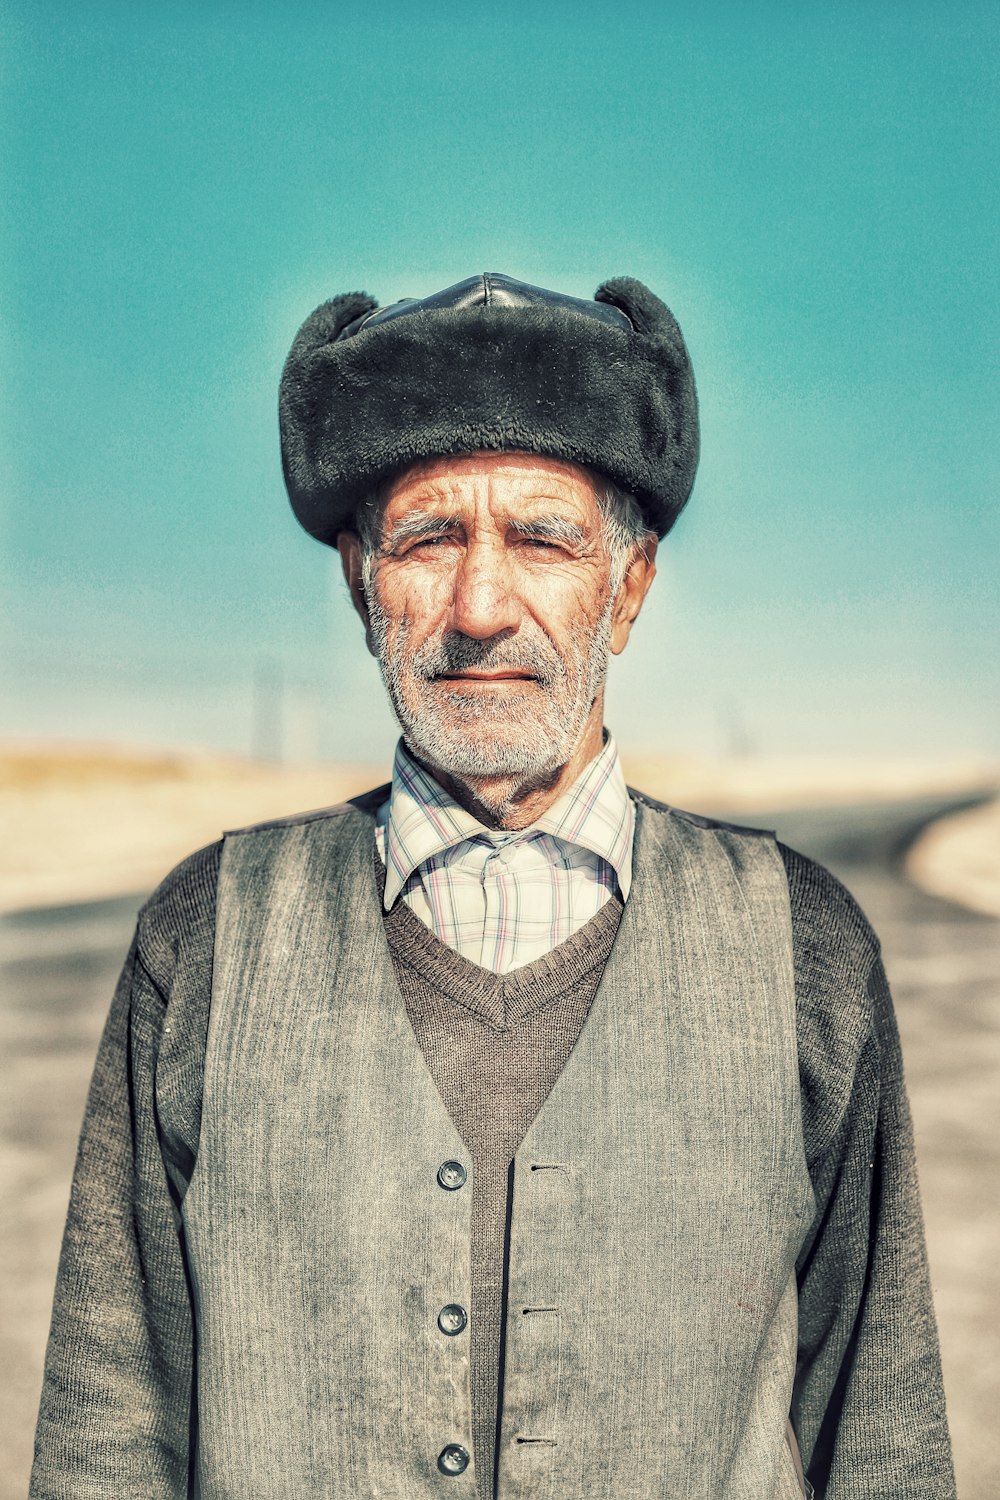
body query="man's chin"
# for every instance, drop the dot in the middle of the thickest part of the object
(491, 752)
(483, 713)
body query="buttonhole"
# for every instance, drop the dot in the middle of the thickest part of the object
(549, 1442)
(525, 1310)
(549, 1166)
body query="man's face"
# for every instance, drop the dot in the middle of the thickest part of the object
(491, 613)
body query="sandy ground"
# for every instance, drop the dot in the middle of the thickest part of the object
(959, 858)
(87, 823)
(82, 823)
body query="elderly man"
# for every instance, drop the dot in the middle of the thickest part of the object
(503, 1132)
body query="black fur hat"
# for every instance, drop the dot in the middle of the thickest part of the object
(493, 364)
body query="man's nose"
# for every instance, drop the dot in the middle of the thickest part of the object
(484, 601)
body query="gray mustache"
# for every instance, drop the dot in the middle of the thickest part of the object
(457, 653)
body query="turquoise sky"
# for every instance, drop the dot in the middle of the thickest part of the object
(813, 190)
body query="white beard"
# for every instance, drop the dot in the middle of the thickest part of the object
(524, 734)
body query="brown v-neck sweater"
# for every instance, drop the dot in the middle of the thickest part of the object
(495, 1045)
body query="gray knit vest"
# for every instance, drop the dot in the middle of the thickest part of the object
(660, 1196)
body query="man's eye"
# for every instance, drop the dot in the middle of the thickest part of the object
(431, 541)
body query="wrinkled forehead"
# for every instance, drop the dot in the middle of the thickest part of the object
(495, 483)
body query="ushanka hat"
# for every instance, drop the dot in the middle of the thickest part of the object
(489, 364)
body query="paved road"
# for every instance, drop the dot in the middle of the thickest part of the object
(57, 968)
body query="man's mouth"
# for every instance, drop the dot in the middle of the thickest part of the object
(509, 675)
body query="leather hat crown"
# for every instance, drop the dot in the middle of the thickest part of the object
(488, 364)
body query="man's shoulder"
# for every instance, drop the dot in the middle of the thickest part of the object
(830, 928)
(181, 910)
(835, 946)
(697, 820)
(180, 913)
(186, 884)
(366, 803)
(817, 896)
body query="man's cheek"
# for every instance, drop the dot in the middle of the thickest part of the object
(426, 599)
(561, 601)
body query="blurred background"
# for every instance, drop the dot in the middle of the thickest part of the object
(814, 193)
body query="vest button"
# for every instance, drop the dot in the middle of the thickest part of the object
(452, 1318)
(451, 1175)
(453, 1459)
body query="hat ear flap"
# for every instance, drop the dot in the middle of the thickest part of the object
(643, 308)
(330, 319)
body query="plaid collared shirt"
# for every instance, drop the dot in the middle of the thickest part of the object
(505, 898)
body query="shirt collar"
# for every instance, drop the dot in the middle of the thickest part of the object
(421, 820)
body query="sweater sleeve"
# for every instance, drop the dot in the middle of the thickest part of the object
(116, 1413)
(868, 1404)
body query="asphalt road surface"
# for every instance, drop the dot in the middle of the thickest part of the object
(58, 967)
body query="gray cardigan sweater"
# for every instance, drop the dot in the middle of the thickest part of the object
(116, 1411)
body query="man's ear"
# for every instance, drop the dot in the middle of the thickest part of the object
(634, 587)
(349, 547)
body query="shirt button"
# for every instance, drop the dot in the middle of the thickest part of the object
(452, 1318)
(451, 1175)
(453, 1459)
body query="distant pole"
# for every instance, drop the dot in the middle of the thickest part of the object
(736, 740)
(268, 699)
